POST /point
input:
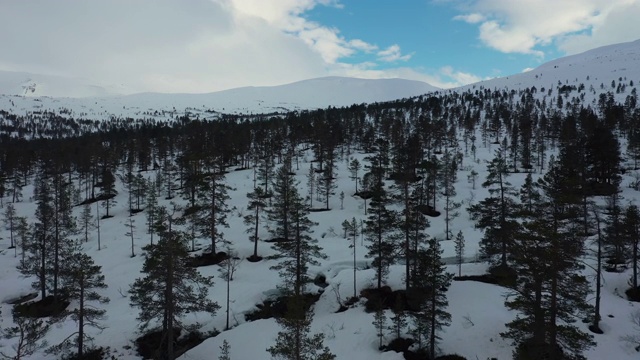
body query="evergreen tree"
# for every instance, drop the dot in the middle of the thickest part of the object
(614, 241)
(170, 289)
(227, 269)
(151, 198)
(295, 342)
(354, 169)
(399, 318)
(496, 214)
(36, 263)
(432, 316)
(448, 179)
(352, 233)
(29, 333)
(131, 234)
(10, 223)
(86, 221)
(252, 220)
(631, 235)
(107, 190)
(381, 233)
(550, 291)
(225, 351)
(380, 323)
(459, 250)
(213, 203)
(85, 278)
(300, 250)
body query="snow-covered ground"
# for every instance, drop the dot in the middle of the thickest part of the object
(478, 313)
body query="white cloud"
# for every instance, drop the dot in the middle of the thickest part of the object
(470, 18)
(524, 25)
(392, 54)
(173, 45)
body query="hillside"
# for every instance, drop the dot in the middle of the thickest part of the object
(37, 85)
(89, 102)
(597, 67)
(427, 139)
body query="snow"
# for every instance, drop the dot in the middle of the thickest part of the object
(478, 312)
(591, 68)
(307, 94)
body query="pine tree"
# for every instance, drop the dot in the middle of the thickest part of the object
(381, 233)
(227, 269)
(294, 342)
(550, 291)
(354, 169)
(459, 250)
(36, 263)
(433, 276)
(29, 333)
(131, 234)
(151, 198)
(311, 184)
(380, 323)
(225, 351)
(613, 233)
(107, 190)
(24, 235)
(399, 318)
(631, 235)
(252, 220)
(85, 278)
(300, 250)
(213, 203)
(170, 289)
(352, 232)
(10, 224)
(496, 214)
(448, 179)
(86, 221)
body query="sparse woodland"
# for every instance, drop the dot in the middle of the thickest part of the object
(523, 191)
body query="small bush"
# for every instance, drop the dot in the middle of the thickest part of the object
(278, 308)
(633, 294)
(398, 345)
(451, 357)
(42, 308)
(207, 259)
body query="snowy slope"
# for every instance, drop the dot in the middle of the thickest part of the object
(593, 67)
(34, 85)
(307, 94)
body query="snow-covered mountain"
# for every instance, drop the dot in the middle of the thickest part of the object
(34, 85)
(101, 104)
(595, 67)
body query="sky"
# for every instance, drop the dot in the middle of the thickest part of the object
(195, 46)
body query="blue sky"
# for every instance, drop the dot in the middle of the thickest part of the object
(425, 31)
(210, 45)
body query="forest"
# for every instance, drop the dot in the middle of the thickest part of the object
(548, 171)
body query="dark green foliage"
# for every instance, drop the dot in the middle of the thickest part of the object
(84, 279)
(301, 249)
(432, 316)
(295, 342)
(381, 230)
(170, 288)
(28, 333)
(213, 208)
(497, 213)
(550, 292)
